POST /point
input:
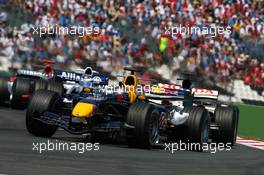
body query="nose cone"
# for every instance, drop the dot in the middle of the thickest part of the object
(83, 110)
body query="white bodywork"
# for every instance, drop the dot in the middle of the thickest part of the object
(178, 118)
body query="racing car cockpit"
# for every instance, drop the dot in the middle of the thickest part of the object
(130, 83)
(130, 80)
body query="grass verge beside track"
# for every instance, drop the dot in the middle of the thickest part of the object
(251, 121)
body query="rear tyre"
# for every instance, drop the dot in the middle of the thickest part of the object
(55, 86)
(197, 127)
(145, 118)
(4, 92)
(227, 119)
(41, 101)
(40, 84)
(20, 87)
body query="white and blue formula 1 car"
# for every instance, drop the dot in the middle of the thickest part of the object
(17, 89)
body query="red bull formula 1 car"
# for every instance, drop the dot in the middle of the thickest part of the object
(143, 119)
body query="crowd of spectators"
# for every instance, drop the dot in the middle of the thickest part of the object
(220, 58)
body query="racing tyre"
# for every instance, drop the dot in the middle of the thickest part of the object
(197, 127)
(55, 86)
(227, 119)
(40, 84)
(20, 87)
(41, 101)
(4, 92)
(145, 118)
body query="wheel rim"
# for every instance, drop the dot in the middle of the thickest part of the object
(153, 128)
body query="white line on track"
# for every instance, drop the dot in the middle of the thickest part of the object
(251, 143)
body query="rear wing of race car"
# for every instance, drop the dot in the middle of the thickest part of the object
(46, 71)
(30, 73)
(177, 92)
(205, 93)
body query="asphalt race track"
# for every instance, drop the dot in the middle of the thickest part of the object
(17, 156)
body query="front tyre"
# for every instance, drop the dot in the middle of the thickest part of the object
(42, 101)
(144, 117)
